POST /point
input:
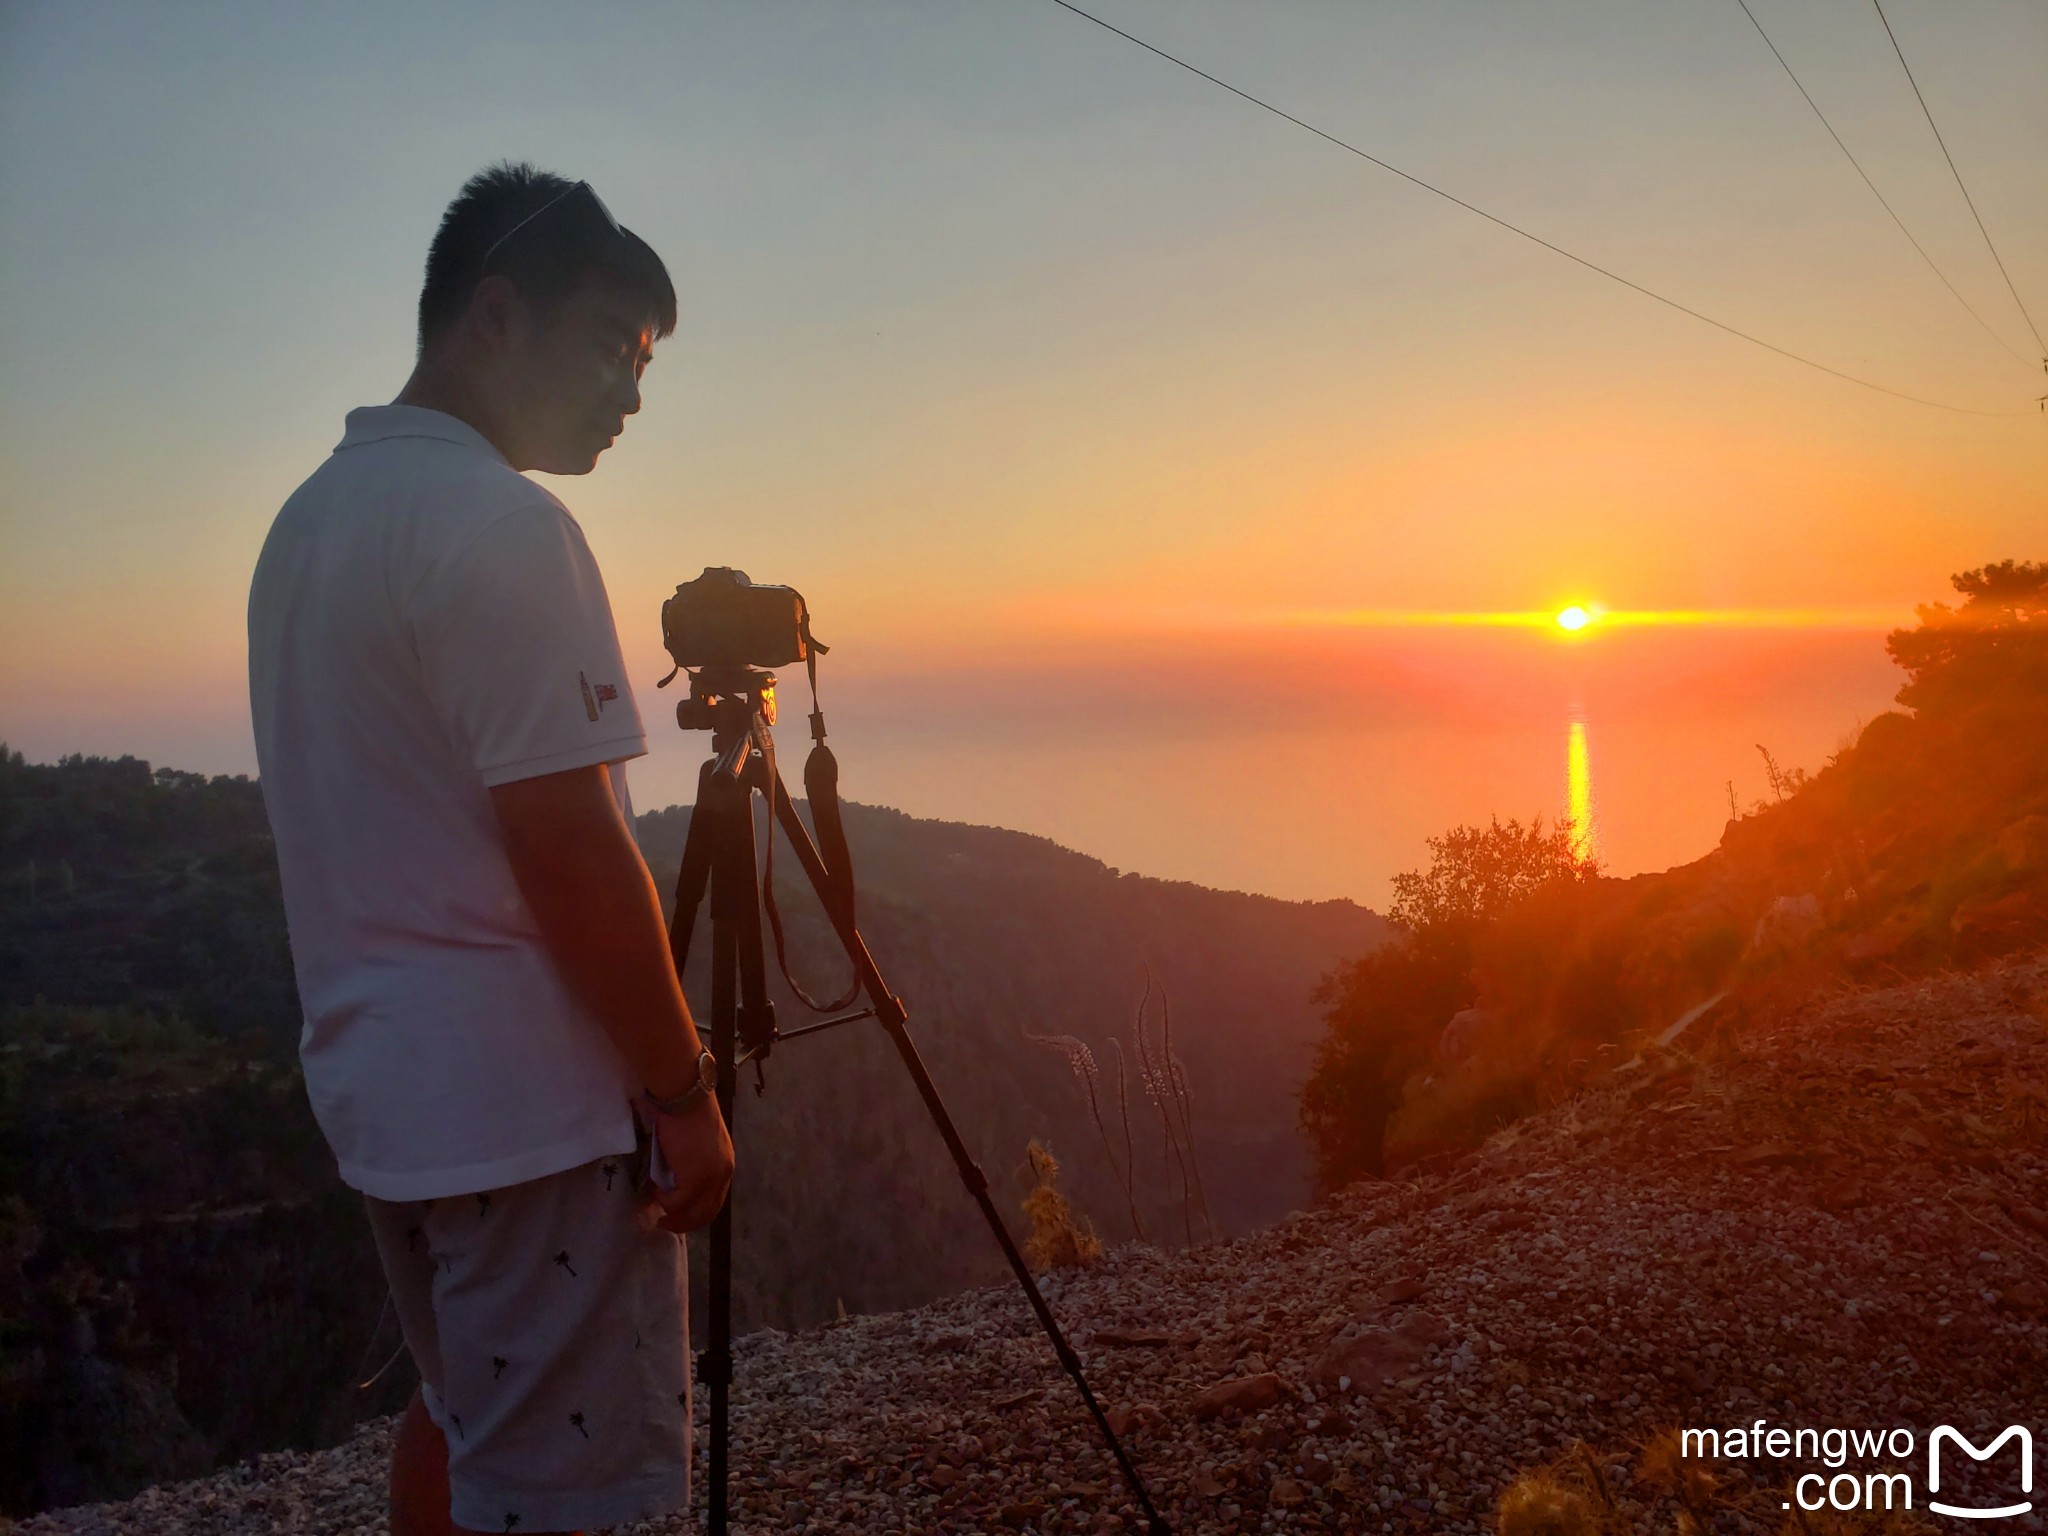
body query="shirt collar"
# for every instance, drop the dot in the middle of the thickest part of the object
(374, 423)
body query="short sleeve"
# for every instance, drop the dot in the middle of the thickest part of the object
(519, 652)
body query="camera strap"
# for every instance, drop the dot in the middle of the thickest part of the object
(821, 788)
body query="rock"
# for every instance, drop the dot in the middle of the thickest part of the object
(1124, 1419)
(2026, 1298)
(1287, 1492)
(2023, 845)
(1109, 1338)
(1461, 1035)
(1986, 925)
(1205, 1485)
(1425, 1327)
(1247, 1394)
(1770, 1154)
(1787, 923)
(1891, 940)
(1839, 1195)
(1399, 1291)
(1373, 1359)
(1329, 1420)
(1268, 1438)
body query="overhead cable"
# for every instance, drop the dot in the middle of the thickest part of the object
(1888, 208)
(1951, 159)
(1512, 228)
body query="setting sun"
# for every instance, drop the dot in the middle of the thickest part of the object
(1574, 618)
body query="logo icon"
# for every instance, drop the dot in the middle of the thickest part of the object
(605, 694)
(589, 703)
(2017, 1432)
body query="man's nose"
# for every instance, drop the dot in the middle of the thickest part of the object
(626, 396)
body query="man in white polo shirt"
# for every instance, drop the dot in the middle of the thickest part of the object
(495, 1043)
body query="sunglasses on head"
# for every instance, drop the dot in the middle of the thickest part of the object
(579, 204)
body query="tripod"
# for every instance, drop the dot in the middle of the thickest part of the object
(737, 705)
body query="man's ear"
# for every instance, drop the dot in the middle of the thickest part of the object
(496, 309)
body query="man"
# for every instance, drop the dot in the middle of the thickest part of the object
(493, 1028)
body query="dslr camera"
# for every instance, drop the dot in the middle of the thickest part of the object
(723, 620)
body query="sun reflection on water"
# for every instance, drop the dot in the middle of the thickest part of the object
(1578, 790)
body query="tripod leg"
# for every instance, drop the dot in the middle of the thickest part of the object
(718, 1326)
(889, 1010)
(727, 811)
(692, 876)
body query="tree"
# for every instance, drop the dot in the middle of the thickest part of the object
(1995, 645)
(1477, 873)
(1383, 1013)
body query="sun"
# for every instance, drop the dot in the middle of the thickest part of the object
(1574, 618)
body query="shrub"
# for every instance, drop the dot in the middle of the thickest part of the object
(1059, 1239)
(1383, 1014)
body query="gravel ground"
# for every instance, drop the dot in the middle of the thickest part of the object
(1829, 1217)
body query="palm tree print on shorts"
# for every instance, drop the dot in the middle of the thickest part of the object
(498, 1364)
(562, 1259)
(576, 1419)
(483, 1205)
(610, 1170)
(511, 1520)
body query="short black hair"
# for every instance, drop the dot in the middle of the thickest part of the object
(544, 269)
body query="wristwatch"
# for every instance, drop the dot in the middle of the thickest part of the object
(707, 1082)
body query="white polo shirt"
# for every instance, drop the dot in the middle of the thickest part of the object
(425, 622)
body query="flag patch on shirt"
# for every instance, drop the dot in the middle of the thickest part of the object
(595, 699)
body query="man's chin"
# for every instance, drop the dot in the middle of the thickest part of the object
(571, 464)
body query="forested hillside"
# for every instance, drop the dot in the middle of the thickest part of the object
(183, 1280)
(989, 936)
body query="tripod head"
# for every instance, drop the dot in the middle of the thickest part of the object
(736, 704)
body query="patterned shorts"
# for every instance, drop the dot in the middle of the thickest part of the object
(551, 1333)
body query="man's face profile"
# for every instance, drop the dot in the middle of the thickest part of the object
(571, 374)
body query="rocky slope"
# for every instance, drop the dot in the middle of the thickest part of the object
(1828, 1215)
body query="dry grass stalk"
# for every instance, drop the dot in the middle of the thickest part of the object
(1539, 1504)
(1080, 1061)
(1059, 1239)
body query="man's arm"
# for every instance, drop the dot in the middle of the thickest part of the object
(582, 875)
(588, 888)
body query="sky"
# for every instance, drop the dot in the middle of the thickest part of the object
(1080, 397)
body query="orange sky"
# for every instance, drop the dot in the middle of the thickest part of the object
(1030, 359)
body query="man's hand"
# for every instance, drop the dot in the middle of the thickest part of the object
(698, 1152)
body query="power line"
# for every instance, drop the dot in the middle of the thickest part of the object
(1951, 159)
(1844, 148)
(1591, 266)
